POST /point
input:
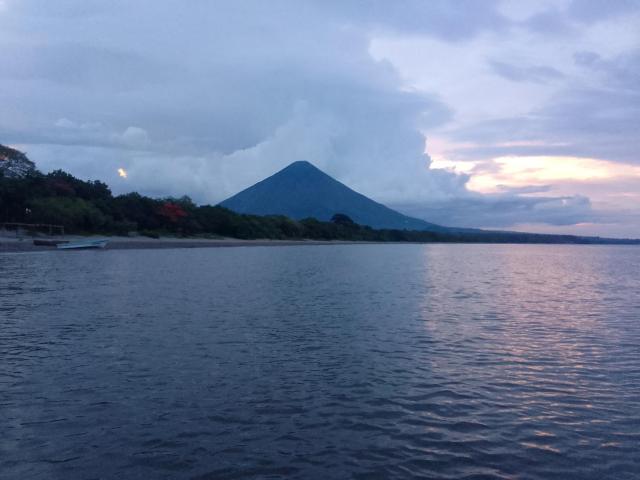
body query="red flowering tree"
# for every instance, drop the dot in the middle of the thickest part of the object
(172, 211)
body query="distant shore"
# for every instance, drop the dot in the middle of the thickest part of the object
(8, 244)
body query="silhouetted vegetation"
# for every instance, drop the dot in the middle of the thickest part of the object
(89, 207)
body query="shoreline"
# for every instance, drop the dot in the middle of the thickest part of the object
(15, 245)
(25, 245)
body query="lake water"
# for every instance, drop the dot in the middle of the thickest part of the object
(311, 362)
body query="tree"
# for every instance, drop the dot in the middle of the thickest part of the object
(342, 219)
(75, 214)
(172, 211)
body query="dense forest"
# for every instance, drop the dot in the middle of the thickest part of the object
(88, 207)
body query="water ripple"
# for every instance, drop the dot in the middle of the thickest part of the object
(364, 362)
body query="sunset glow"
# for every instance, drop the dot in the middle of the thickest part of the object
(514, 171)
(451, 165)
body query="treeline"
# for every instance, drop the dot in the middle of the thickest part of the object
(87, 207)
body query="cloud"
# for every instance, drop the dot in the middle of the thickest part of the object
(206, 87)
(568, 18)
(443, 19)
(596, 120)
(75, 65)
(550, 22)
(590, 11)
(525, 201)
(515, 73)
(621, 72)
(211, 98)
(504, 210)
(135, 136)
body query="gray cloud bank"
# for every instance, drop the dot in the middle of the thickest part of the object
(206, 98)
(597, 119)
(503, 210)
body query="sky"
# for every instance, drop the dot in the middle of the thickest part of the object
(518, 115)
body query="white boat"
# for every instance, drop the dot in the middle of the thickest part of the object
(86, 243)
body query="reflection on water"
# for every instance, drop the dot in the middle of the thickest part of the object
(371, 361)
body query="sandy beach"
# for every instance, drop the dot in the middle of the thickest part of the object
(11, 244)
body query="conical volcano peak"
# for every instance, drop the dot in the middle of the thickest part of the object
(301, 166)
(302, 190)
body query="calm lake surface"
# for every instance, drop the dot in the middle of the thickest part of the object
(310, 362)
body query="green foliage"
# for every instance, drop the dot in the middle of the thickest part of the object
(72, 213)
(89, 207)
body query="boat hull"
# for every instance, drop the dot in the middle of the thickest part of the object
(82, 244)
(44, 242)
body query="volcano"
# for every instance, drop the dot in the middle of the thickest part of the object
(302, 190)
